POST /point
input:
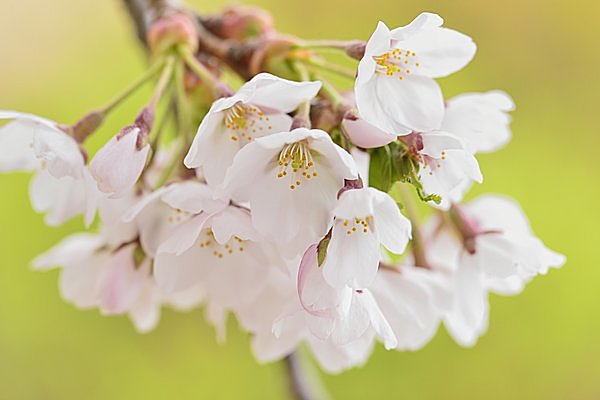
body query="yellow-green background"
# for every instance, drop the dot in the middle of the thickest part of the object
(60, 58)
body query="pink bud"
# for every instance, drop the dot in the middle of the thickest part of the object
(363, 134)
(118, 165)
(174, 29)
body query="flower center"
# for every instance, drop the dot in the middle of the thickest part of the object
(397, 63)
(296, 163)
(357, 225)
(178, 215)
(220, 251)
(245, 122)
(431, 163)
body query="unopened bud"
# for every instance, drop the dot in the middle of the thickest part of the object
(85, 126)
(172, 30)
(356, 49)
(362, 133)
(241, 22)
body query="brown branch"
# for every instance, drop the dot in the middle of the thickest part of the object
(300, 384)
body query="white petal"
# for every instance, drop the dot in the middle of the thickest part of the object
(71, 250)
(393, 229)
(16, 147)
(276, 93)
(60, 153)
(469, 318)
(199, 149)
(439, 51)
(424, 20)
(352, 259)
(61, 199)
(377, 319)
(399, 106)
(480, 119)
(378, 43)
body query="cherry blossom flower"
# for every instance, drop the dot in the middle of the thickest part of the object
(446, 166)
(259, 108)
(93, 277)
(221, 253)
(394, 87)
(291, 181)
(496, 252)
(62, 187)
(365, 219)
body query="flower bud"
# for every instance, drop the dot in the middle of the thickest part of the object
(176, 29)
(356, 49)
(362, 133)
(239, 22)
(117, 166)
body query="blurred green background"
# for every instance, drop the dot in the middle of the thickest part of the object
(61, 58)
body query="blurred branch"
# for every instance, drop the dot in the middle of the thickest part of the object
(144, 12)
(303, 384)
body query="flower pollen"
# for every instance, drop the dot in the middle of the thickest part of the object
(220, 251)
(246, 122)
(296, 162)
(396, 63)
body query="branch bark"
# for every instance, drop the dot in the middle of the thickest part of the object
(299, 382)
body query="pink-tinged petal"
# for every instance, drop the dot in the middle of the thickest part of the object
(393, 229)
(178, 273)
(277, 93)
(145, 311)
(365, 135)
(16, 152)
(399, 106)
(233, 221)
(315, 295)
(121, 282)
(60, 199)
(118, 164)
(130, 214)
(423, 21)
(481, 120)
(185, 235)
(352, 257)
(193, 197)
(439, 51)
(217, 316)
(71, 250)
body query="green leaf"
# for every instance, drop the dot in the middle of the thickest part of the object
(382, 169)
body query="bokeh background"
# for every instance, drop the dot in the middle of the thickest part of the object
(61, 58)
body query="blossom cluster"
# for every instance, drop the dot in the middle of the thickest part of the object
(301, 225)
